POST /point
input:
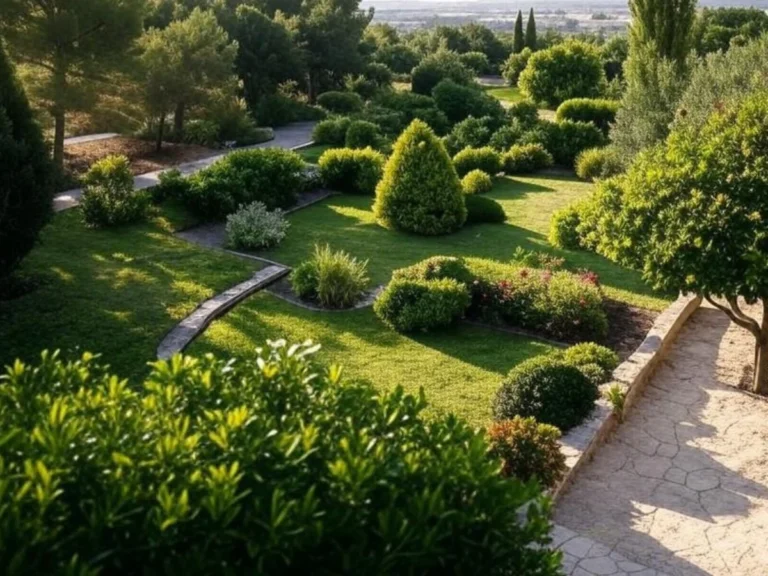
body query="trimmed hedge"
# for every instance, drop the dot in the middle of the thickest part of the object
(436, 268)
(340, 102)
(482, 210)
(525, 112)
(567, 139)
(268, 464)
(351, 171)
(470, 133)
(525, 159)
(602, 113)
(506, 137)
(486, 159)
(548, 390)
(331, 131)
(476, 182)
(596, 362)
(421, 305)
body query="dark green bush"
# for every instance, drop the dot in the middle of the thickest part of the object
(279, 110)
(437, 67)
(362, 86)
(414, 106)
(362, 134)
(563, 228)
(378, 73)
(549, 390)
(476, 182)
(437, 268)
(170, 184)
(389, 122)
(108, 197)
(331, 131)
(457, 102)
(433, 118)
(602, 113)
(514, 66)
(482, 210)
(270, 175)
(340, 102)
(506, 137)
(201, 132)
(528, 450)
(469, 133)
(476, 61)
(597, 163)
(27, 176)
(268, 464)
(567, 139)
(421, 305)
(397, 57)
(525, 112)
(351, 171)
(420, 191)
(525, 159)
(486, 159)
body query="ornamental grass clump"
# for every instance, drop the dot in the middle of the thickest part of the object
(333, 279)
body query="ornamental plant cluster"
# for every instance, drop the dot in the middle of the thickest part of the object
(332, 279)
(268, 464)
(441, 290)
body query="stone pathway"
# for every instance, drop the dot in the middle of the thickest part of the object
(682, 488)
(292, 136)
(89, 138)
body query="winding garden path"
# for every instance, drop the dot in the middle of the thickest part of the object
(682, 488)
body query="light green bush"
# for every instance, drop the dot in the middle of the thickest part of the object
(108, 197)
(421, 305)
(525, 159)
(351, 171)
(486, 159)
(476, 182)
(333, 279)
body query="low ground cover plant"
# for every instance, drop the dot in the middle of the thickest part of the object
(253, 227)
(108, 197)
(333, 279)
(351, 171)
(271, 463)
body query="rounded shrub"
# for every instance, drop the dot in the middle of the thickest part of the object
(270, 175)
(170, 184)
(525, 112)
(253, 227)
(563, 228)
(597, 163)
(525, 159)
(527, 450)
(420, 191)
(574, 308)
(549, 390)
(457, 102)
(362, 134)
(351, 171)
(486, 159)
(268, 464)
(333, 279)
(437, 67)
(470, 133)
(108, 197)
(437, 268)
(591, 353)
(514, 66)
(506, 137)
(567, 139)
(476, 182)
(594, 373)
(572, 69)
(340, 102)
(475, 61)
(602, 113)
(27, 177)
(482, 210)
(331, 131)
(421, 305)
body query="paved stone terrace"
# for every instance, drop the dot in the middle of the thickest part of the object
(682, 488)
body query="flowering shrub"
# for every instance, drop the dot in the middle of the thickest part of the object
(253, 227)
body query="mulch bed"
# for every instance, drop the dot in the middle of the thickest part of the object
(627, 326)
(141, 153)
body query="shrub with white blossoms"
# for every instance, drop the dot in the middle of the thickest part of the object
(253, 227)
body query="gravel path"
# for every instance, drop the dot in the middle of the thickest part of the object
(683, 486)
(89, 138)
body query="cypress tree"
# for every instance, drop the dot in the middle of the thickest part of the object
(519, 40)
(530, 32)
(665, 25)
(26, 174)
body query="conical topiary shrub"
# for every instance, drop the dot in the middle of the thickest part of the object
(420, 191)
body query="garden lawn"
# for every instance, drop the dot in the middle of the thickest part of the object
(312, 154)
(509, 94)
(115, 292)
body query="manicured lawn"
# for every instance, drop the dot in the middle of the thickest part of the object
(312, 154)
(505, 93)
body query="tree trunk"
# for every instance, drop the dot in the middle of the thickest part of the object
(760, 383)
(160, 130)
(58, 111)
(58, 137)
(178, 121)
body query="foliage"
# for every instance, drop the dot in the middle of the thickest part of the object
(351, 171)
(716, 30)
(420, 191)
(476, 182)
(458, 102)
(480, 38)
(437, 67)
(108, 197)
(409, 305)
(470, 133)
(518, 42)
(254, 227)
(664, 27)
(281, 109)
(590, 356)
(331, 131)
(482, 210)
(565, 140)
(190, 434)
(476, 61)
(340, 102)
(506, 136)
(569, 70)
(515, 65)
(617, 397)
(527, 450)
(563, 228)
(362, 134)
(399, 58)
(601, 113)
(530, 32)
(436, 268)
(525, 158)
(525, 112)
(411, 106)
(486, 159)
(270, 175)
(613, 54)
(26, 175)
(332, 278)
(202, 133)
(170, 184)
(598, 163)
(548, 390)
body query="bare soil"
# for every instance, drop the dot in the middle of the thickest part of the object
(627, 327)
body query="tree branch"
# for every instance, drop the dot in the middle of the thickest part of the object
(734, 302)
(743, 321)
(85, 33)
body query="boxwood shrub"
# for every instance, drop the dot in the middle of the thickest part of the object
(600, 112)
(547, 389)
(270, 175)
(269, 464)
(567, 139)
(340, 102)
(506, 137)
(482, 210)
(437, 268)
(486, 159)
(525, 159)
(351, 171)
(457, 102)
(362, 134)
(420, 305)
(476, 182)
(331, 131)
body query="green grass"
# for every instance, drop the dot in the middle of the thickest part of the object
(505, 93)
(312, 154)
(115, 292)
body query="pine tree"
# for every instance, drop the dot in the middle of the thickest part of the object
(530, 32)
(26, 175)
(420, 191)
(519, 40)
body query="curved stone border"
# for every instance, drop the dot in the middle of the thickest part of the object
(580, 443)
(188, 329)
(366, 301)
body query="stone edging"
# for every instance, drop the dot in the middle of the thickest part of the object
(193, 325)
(580, 443)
